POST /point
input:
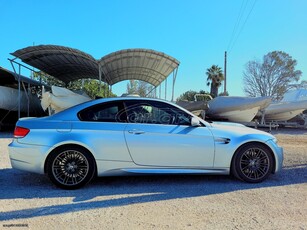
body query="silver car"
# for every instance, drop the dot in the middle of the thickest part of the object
(120, 136)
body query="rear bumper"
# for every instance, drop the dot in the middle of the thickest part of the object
(29, 158)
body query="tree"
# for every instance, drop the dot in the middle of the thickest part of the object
(89, 86)
(214, 79)
(47, 79)
(272, 77)
(132, 87)
(190, 95)
(141, 88)
(224, 94)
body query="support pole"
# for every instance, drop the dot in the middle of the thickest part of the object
(225, 66)
(29, 96)
(173, 88)
(19, 93)
(174, 80)
(99, 72)
(165, 88)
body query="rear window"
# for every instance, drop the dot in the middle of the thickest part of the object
(106, 112)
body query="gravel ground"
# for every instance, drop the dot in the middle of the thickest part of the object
(169, 202)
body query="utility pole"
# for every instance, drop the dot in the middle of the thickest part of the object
(225, 66)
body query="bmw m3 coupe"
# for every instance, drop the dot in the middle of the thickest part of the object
(122, 136)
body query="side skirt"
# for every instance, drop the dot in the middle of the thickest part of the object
(224, 171)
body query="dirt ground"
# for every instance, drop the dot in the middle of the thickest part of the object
(160, 202)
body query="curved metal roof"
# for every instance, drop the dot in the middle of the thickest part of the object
(63, 63)
(137, 64)
(69, 64)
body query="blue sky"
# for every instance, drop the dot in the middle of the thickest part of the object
(196, 32)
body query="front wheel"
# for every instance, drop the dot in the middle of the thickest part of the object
(252, 163)
(71, 167)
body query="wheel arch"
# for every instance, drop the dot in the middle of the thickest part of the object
(259, 143)
(65, 146)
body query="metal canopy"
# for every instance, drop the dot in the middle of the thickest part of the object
(63, 63)
(137, 64)
(67, 64)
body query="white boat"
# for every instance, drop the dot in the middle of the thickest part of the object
(284, 111)
(236, 109)
(15, 103)
(61, 98)
(9, 95)
(9, 98)
(293, 104)
(295, 95)
(195, 107)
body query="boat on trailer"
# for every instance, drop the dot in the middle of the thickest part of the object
(61, 98)
(226, 108)
(236, 109)
(9, 98)
(293, 104)
(12, 99)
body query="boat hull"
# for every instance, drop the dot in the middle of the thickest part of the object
(245, 115)
(61, 99)
(284, 111)
(9, 100)
(236, 109)
(285, 116)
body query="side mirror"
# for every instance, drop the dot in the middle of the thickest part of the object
(195, 122)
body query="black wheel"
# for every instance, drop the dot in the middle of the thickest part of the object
(71, 167)
(252, 163)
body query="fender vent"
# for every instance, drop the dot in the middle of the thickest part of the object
(222, 140)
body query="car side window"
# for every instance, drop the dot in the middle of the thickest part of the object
(153, 112)
(105, 112)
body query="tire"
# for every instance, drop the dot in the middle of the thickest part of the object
(71, 167)
(252, 163)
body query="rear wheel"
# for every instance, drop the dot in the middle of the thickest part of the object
(71, 167)
(252, 163)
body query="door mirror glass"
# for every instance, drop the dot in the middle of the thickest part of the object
(195, 122)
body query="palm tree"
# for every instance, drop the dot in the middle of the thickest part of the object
(214, 79)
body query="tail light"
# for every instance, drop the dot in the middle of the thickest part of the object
(20, 132)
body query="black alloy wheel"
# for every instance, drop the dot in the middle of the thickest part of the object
(252, 163)
(71, 167)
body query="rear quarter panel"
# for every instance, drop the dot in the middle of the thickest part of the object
(104, 140)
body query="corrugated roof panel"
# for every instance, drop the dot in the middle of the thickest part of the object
(61, 62)
(69, 64)
(138, 64)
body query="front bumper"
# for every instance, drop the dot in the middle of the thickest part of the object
(278, 154)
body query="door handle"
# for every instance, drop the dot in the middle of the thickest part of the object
(136, 131)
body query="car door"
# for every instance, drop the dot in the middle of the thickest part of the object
(160, 134)
(102, 128)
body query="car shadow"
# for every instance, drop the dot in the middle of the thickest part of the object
(124, 191)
